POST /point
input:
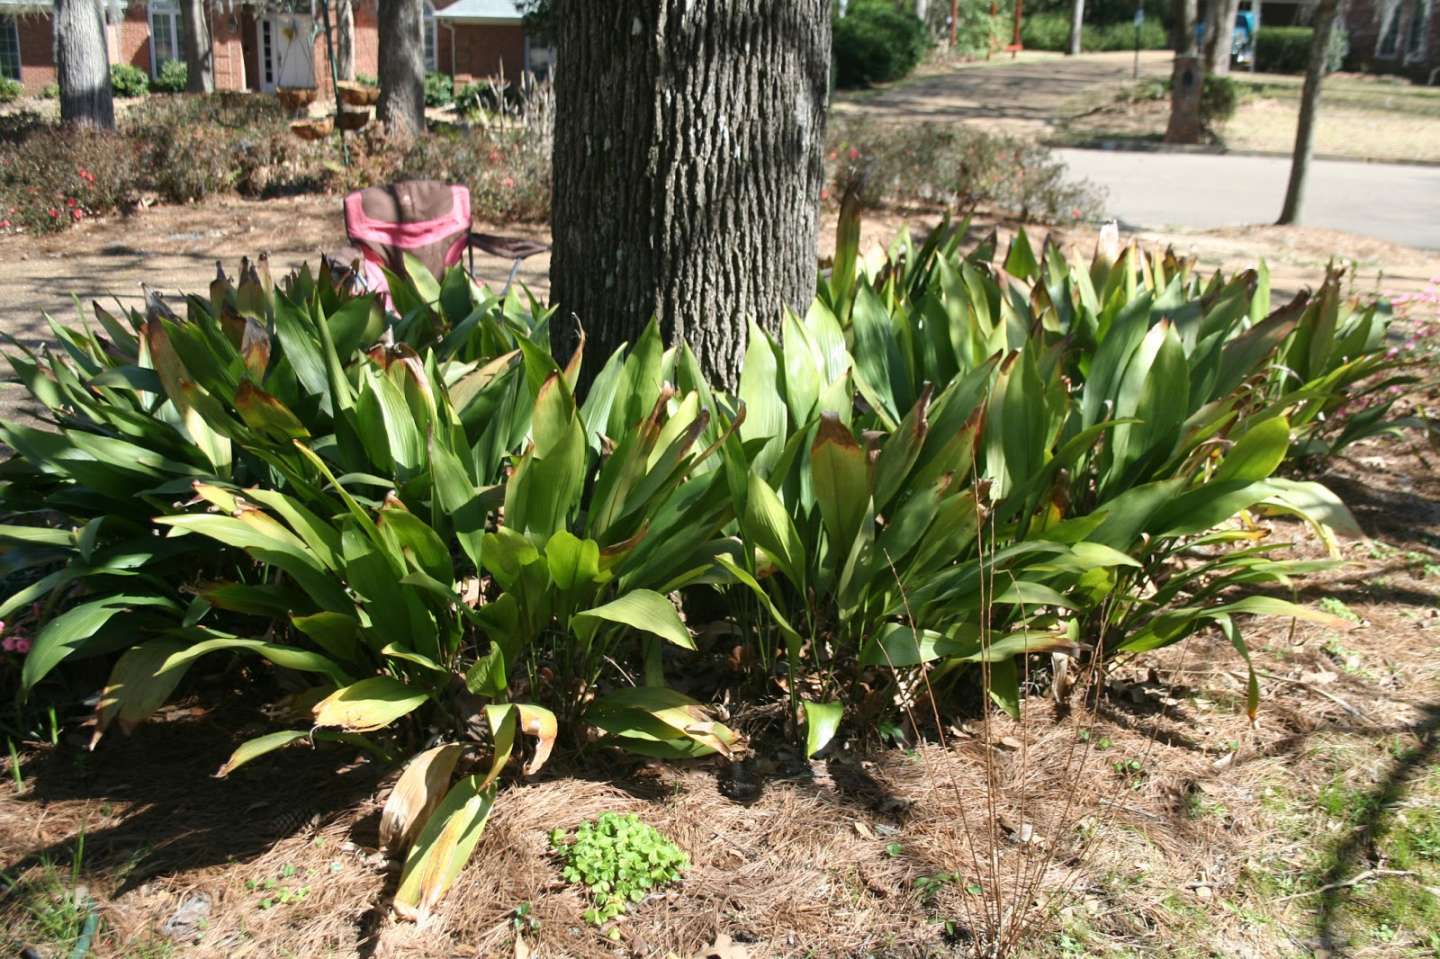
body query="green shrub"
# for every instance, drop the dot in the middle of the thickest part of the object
(619, 860)
(1219, 98)
(439, 90)
(1051, 31)
(876, 43)
(50, 91)
(128, 81)
(172, 79)
(958, 167)
(10, 90)
(1287, 49)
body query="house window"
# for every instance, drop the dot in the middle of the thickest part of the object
(9, 49)
(167, 36)
(427, 32)
(1389, 42)
(1415, 35)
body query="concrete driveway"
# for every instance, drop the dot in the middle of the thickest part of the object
(1389, 201)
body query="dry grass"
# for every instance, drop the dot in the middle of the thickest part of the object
(1361, 118)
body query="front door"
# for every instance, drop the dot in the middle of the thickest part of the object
(287, 51)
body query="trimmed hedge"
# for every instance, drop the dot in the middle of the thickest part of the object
(1051, 31)
(876, 43)
(1287, 49)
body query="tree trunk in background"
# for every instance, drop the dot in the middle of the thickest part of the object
(199, 52)
(1186, 12)
(82, 65)
(1077, 26)
(687, 169)
(345, 39)
(402, 68)
(1309, 106)
(1219, 36)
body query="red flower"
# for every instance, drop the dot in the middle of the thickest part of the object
(71, 202)
(854, 154)
(54, 213)
(77, 214)
(508, 183)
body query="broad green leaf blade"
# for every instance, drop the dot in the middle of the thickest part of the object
(822, 721)
(446, 843)
(645, 610)
(369, 704)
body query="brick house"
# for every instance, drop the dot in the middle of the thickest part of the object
(262, 46)
(1386, 36)
(1395, 36)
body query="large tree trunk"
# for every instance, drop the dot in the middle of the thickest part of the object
(1219, 36)
(402, 67)
(345, 39)
(1186, 12)
(1077, 26)
(199, 52)
(82, 64)
(687, 170)
(1309, 107)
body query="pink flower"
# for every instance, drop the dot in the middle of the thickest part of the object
(15, 644)
(854, 154)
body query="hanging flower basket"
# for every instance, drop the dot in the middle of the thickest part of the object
(353, 119)
(295, 99)
(313, 129)
(357, 94)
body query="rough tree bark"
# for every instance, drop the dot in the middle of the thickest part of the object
(345, 39)
(1325, 18)
(1219, 36)
(82, 66)
(199, 52)
(1186, 78)
(402, 67)
(1077, 26)
(687, 169)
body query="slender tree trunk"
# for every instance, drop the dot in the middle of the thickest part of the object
(402, 67)
(82, 64)
(345, 39)
(1309, 108)
(199, 52)
(1219, 36)
(687, 169)
(1077, 26)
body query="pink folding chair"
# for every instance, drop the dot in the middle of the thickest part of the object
(427, 219)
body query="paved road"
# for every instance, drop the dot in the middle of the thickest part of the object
(1390, 201)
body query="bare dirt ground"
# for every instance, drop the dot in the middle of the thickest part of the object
(1191, 833)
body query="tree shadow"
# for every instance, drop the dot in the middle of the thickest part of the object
(175, 814)
(1360, 842)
